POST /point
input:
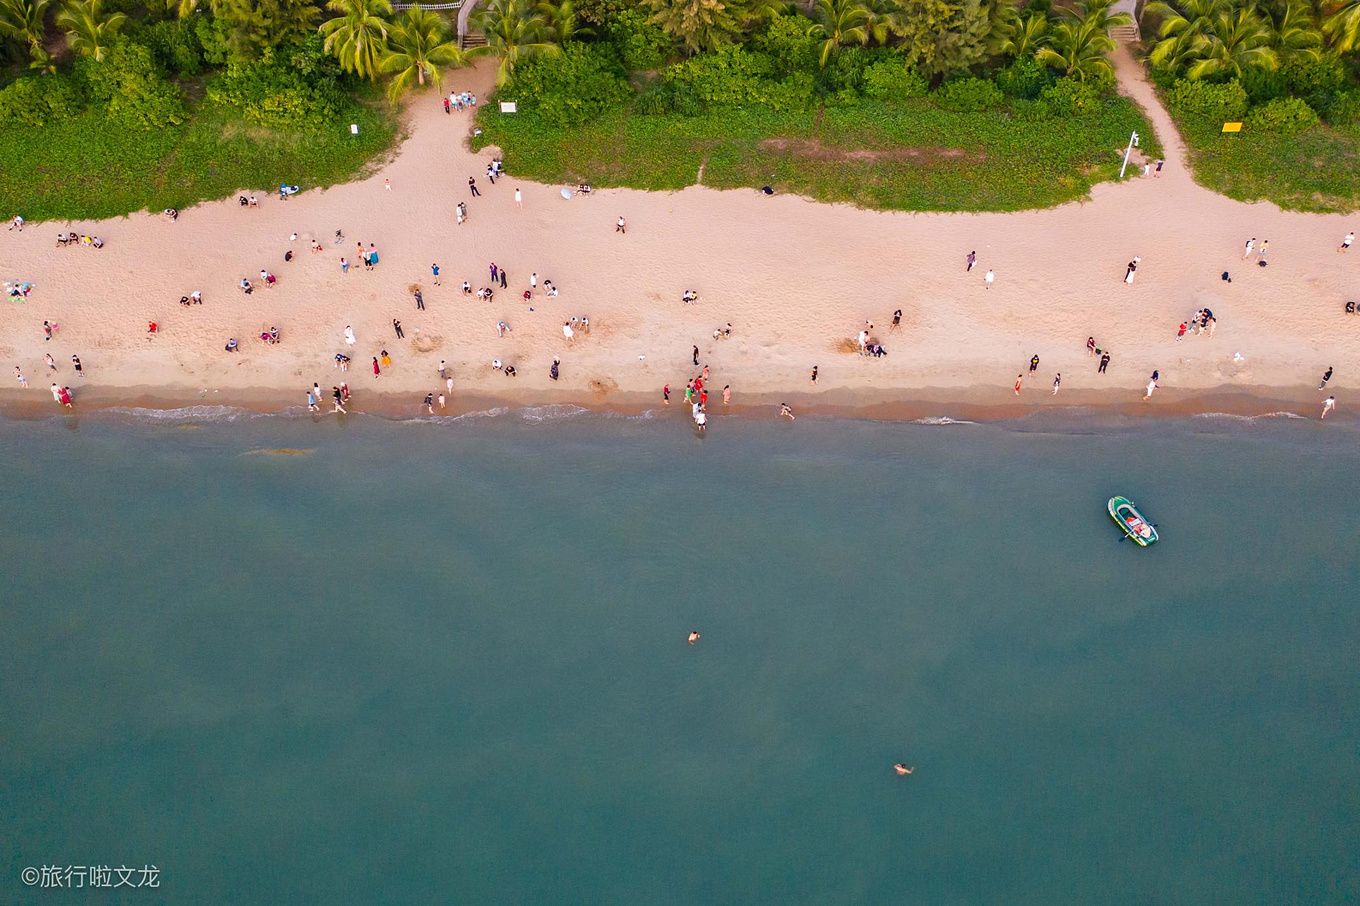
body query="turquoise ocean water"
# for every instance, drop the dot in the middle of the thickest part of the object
(445, 662)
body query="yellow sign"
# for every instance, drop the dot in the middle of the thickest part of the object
(1232, 127)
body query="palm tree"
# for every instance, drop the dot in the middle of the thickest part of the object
(562, 21)
(1024, 36)
(1238, 40)
(358, 36)
(514, 31)
(23, 21)
(698, 24)
(419, 43)
(1096, 13)
(840, 22)
(1343, 27)
(1078, 49)
(1182, 30)
(89, 30)
(1294, 32)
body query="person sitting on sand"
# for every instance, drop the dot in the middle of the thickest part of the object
(246, 286)
(231, 345)
(184, 300)
(510, 371)
(152, 328)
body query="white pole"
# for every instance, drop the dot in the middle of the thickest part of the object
(1133, 140)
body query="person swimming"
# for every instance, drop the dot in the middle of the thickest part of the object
(902, 770)
(693, 636)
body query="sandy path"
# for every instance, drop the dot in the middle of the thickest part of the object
(795, 278)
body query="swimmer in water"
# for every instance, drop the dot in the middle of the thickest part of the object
(693, 636)
(902, 769)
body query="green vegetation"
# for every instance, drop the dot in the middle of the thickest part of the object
(1287, 74)
(167, 103)
(90, 166)
(874, 154)
(748, 93)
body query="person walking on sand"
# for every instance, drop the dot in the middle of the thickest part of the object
(376, 370)
(344, 265)
(396, 325)
(1346, 243)
(337, 400)
(443, 370)
(442, 401)
(1251, 243)
(311, 402)
(519, 199)
(75, 360)
(1158, 173)
(503, 278)
(1151, 386)
(897, 320)
(448, 382)
(387, 184)
(1090, 346)
(666, 395)
(472, 187)
(434, 272)
(1326, 376)
(554, 373)
(1328, 405)
(1019, 379)
(51, 362)
(814, 375)
(696, 355)
(19, 376)
(1262, 250)
(989, 277)
(621, 226)
(56, 393)
(1180, 331)
(1034, 364)
(64, 397)
(349, 335)
(1057, 379)
(420, 300)
(1104, 363)
(727, 395)
(972, 260)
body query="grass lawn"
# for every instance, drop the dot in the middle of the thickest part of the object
(912, 156)
(1318, 170)
(90, 167)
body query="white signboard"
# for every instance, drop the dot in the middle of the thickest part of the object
(508, 107)
(353, 128)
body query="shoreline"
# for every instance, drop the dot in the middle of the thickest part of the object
(976, 404)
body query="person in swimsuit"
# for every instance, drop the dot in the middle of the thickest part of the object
(786, 409)
(693, 636)
(902, 770)
(897, 319)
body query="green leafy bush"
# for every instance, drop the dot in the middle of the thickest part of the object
(1286, 116)
(1264, 84)
(968, 95)
(132, 89)
(174, 45)
(1309, 77)
(1025, 78)
(39, 100)
(1071, 97)
(785, 38)
(573, 86)
(733, 76)
(1031, 111)
(641, 46)
(893, 80)
(846, 69)
(299, 88)
(1342, 108)
(1223, 102)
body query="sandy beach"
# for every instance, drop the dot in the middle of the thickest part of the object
(796, 280)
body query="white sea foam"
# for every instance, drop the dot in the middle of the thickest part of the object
(1248, 418)
(536, 414)
(941, 420)
(186, 413)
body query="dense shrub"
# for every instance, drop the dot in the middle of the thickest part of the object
(39, 100)
(132, 89)
(1031, 111)
(968, 95)
(1286, 116)
(1025, 78)
(1202, 100)
(845, 69)
(175, 46)
(893, 80)
(641, 46)
(573, 86)
(1071, 97)
(1264, 84)
(298, 88)
(1309, 77)
(785, 38)
(1341, 108)
(735, 76)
